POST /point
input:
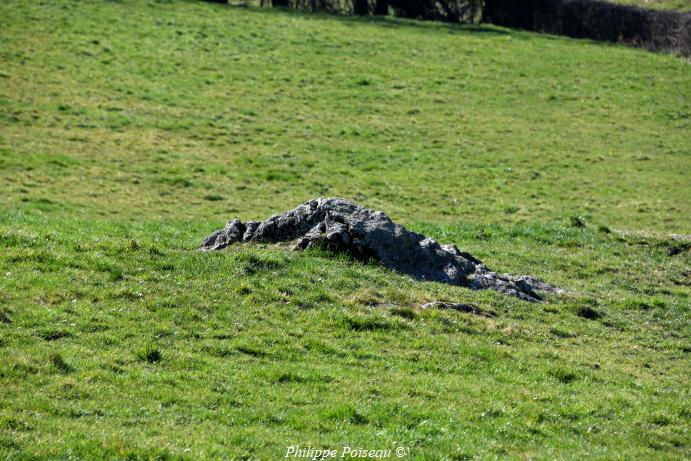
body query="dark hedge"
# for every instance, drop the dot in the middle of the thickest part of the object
(598, 20)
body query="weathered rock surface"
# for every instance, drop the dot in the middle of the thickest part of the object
(341, 225)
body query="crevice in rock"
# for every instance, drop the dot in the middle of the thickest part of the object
(341, 225)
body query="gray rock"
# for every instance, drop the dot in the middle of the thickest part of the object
(341, 225)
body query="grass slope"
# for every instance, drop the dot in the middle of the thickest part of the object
(129, 130)
(133, 109)
(681, 5)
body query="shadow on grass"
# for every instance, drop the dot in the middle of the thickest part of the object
(429, 26)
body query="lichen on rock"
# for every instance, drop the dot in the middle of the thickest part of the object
(342, 225)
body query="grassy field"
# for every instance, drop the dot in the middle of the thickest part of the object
(129, 130)
(682, 5)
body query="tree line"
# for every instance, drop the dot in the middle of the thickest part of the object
(441, 10)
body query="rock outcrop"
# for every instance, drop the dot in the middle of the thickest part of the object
(341, 225)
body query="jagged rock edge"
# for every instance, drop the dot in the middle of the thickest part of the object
(342, 225)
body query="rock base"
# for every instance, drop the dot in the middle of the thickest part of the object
(341, 225)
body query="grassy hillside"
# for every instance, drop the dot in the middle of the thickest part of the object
(137, 110)
(129, 130)
(681, 5)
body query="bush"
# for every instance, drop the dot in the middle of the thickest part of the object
(441, 10)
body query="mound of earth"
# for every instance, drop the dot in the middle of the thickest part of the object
(341, 225)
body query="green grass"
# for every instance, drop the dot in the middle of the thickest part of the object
(151, 114)
(130, 130)
(681, 5)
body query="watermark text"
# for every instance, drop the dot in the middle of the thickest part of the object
(345, 452)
